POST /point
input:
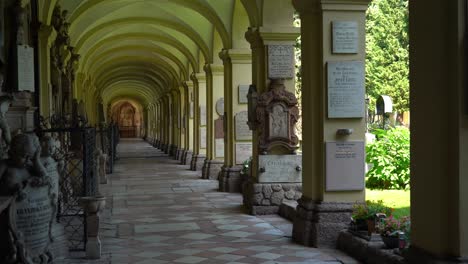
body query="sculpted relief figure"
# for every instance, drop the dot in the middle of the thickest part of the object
(5, 134)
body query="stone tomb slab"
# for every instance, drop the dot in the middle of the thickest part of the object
(202, 115)
(220, 106)
(219, 147)
(280, 61)
(345, 37)
(219, 127)
(242, 128)
(280, 168)
(243, 152)
(203, 137)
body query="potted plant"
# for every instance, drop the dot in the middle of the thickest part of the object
(394, 231)
(365, 214)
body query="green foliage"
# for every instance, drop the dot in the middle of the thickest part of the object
(246, 166)
(387, 47)
(368, 210)
(389, 157)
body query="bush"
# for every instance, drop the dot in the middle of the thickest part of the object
(389, 157)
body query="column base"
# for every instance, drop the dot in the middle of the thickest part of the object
(172, 150)
(157, 144)
(187, 159)
(211, 169)
(416, 255)
(230, 179)
(265, 198)
(178, 154)
(318, 224)
(166, 148)
(196, 164)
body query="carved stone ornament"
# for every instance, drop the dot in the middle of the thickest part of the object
(277, 115)
(30, 216)
(252, 98)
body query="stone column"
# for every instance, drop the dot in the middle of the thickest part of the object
(175, 135)
(268, 186)
(180, 106)
(326, 205)
(214, 92)
(237, 136)
(47, 35)
(439, 132)
(199, 149)
(188, 126)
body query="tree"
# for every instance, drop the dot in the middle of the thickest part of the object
(387, 47)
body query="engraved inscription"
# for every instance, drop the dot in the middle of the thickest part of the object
(345, 166)
(243, 92)
(346, 89)
(280, 61)
(219, 147)
(280, 168)
(242, 128)
(345, 37)
(25, 68)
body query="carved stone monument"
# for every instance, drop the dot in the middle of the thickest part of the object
(242, 129)
(31, 215)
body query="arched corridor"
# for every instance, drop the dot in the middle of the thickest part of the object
(161, 212)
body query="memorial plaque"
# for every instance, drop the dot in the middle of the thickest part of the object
(280, 168)
(345, 37)
(219, 147)
(346, 89)
(33, 220)
(280, 61)
(220, 106)
(203, 137)
(202, 116)
(242, 94)
(191, 110)
(243, 152)
(345, 166)
(219, 127)
(242, 128)
(25, 68)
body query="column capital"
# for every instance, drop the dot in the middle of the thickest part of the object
(213, 69)
(258, 37)
(313, 6)
(236, 56)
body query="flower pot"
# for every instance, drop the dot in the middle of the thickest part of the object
(390, 241)
(92, 204)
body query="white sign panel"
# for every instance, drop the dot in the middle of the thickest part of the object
(203, 137)
(280, 168)
(191, 110)
(202, 116)
(243, 152)
(345, 37)
(219, 147)
(25, 68)
(280, 61)
(243, 92)
(346, 89)
(345, 166)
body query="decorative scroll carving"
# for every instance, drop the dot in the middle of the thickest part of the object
(276, 116)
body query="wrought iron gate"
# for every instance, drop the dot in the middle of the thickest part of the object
(76, 152)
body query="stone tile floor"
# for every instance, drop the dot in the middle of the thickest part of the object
(160, 212)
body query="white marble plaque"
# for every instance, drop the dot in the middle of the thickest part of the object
(346, 89)
(25, 68)
(191, 110)
(242, 129)
(219, 147)
(202, 116)
(220, 106)
(280, 168)
(243, 92)
(345, 37)
(280, 61)
(345, 166)
(243, 152)
(203, 137)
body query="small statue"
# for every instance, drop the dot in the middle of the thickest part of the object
(22, 166)
(51, 166)
(5, 134)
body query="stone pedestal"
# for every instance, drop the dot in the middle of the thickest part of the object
(92, 207)
(182, 154)
(230, 179)
(197, 162)
(266, 198)
(178, 153)
(211, 169)
(188, 157)
(172, 150)
(318, 224)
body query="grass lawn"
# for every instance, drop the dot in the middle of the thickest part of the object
(396, 199)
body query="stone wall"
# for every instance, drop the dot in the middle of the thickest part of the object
(265, 198)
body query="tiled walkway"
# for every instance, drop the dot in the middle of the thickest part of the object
(160, 212)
